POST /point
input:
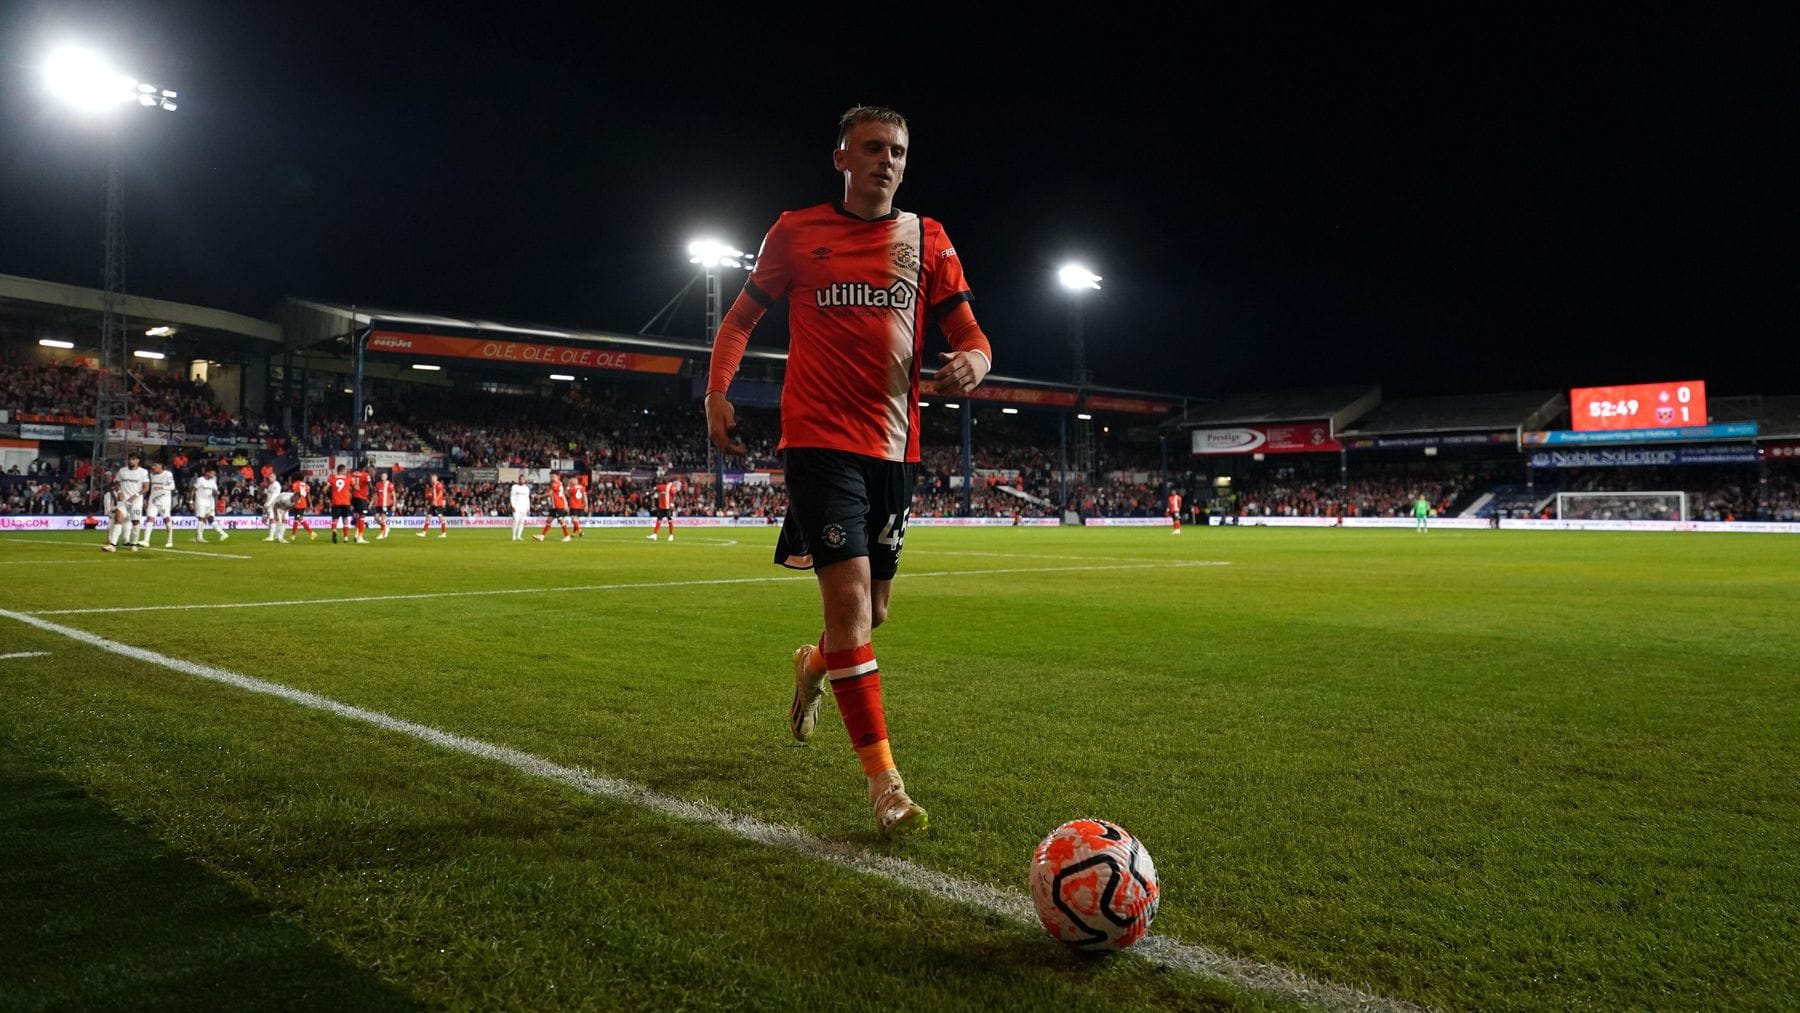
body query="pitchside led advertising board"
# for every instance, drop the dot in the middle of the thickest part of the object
(1305, 438)
(1639, 406)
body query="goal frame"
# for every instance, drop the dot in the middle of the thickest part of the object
(1677, 496)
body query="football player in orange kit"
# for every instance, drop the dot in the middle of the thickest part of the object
(863, 279)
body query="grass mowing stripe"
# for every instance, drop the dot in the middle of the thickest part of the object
(590, 587)
(1159, 950)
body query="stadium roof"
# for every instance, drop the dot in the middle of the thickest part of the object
(309, 322)
(1487, 412)
(73, 312)
(1776, 416)
(1338, 405)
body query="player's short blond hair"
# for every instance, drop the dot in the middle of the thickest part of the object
(867, 114)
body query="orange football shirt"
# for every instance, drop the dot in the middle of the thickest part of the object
(858, 293)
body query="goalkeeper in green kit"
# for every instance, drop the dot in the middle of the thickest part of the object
(1421, 510)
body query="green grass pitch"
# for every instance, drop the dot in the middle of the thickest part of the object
(1464, 770)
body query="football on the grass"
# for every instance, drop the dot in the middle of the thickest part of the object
(1094, 885)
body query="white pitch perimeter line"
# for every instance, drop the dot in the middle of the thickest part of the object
(585, 587)
(1160, 951)
(24, 654)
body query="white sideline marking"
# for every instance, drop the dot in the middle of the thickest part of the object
(1161, 951)
(25, 654)
(586, 587)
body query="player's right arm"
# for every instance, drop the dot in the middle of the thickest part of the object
(767, 283)
(728, 351)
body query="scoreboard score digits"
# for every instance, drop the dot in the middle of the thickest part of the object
(1639, 406)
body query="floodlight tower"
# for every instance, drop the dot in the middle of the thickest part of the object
(713, 256)
(87, 82)
(1079, 281)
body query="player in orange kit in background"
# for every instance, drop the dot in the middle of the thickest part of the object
(383, 503)
(302, 503)
(665, 506)
(337, 489)
(862, 280)
(359, 501)
(559, 509)
(434, 507)
(1175, 511)
(577, 501)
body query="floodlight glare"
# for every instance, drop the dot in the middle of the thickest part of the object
(1009, 411)
(712, 253)
(1076, 276)
(561, 376)
(948, 404)
(145, 353)
(924, 404)
(1085, 417)
(54, 343)
(427, 367)
(84, 80)
(159, 332)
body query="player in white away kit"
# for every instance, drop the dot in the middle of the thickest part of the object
(160, 502)
(206, 505)
(114, 505)
(132, 478)
(521, 506)
(275, 504)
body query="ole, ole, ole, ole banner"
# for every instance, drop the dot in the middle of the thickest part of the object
(522, 352)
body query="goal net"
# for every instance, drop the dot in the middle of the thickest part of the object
(1622, 506)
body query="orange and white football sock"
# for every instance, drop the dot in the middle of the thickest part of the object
(856, 686)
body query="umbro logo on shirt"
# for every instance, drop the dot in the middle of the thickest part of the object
(822, 253)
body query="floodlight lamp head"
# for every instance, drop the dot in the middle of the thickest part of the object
(1074, 276)
(711, 253)
(83, 79)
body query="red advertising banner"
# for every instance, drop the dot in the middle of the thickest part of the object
(1638, 406)
(1784, 451)
(1023, 395)
(1100, 403)
(1304, 438)
(527, 353)
(72, 420)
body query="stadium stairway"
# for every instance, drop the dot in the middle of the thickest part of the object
(1022, 494)
(1474, 509)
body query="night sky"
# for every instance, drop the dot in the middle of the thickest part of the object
(1440, 207)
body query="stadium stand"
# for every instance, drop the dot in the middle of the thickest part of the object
(256, 397)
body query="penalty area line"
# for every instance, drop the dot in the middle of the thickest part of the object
(1014, 906)
(127, 547)
(291, 602)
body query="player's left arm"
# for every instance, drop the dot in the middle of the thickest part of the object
(962, 370)
(947, 293)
